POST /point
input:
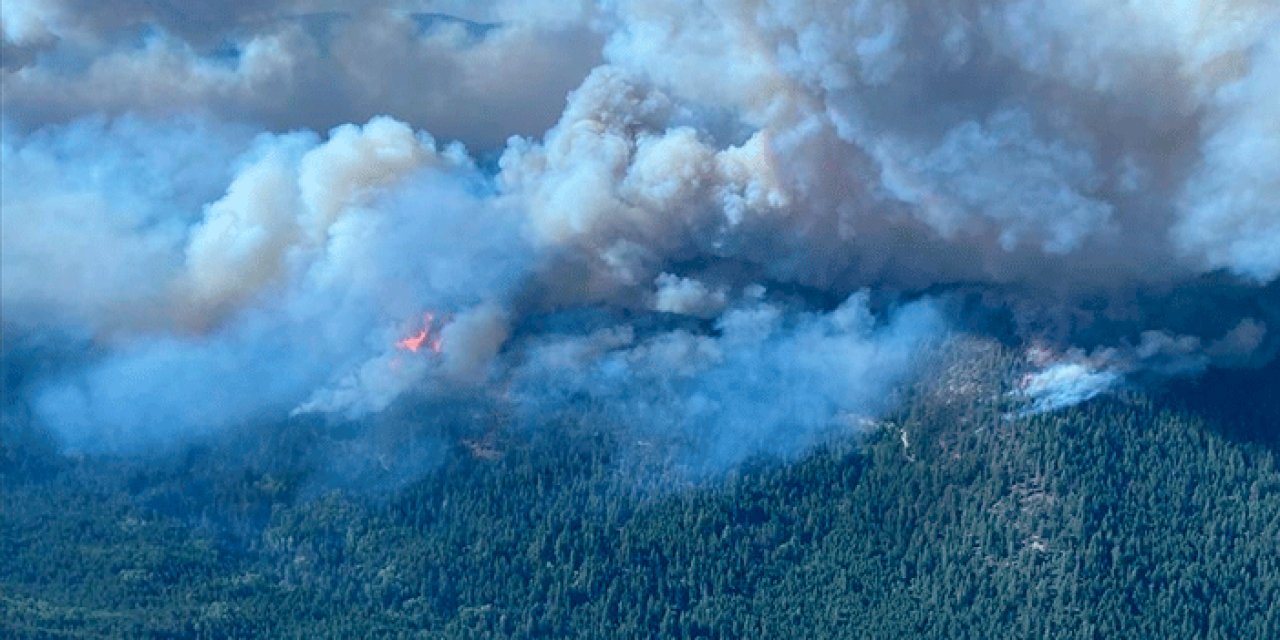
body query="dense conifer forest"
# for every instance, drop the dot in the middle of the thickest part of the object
(873, 319)
(1141, 514)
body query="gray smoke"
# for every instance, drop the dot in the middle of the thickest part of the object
(744, 226)
(296, 64)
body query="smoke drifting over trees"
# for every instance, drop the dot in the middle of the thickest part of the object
(746, 219)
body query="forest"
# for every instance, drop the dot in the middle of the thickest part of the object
(1145, 513)
(639, 319)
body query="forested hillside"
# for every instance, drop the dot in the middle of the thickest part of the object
(1129, 516)
(640, 319)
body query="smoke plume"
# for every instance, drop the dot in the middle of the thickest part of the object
(736, 223)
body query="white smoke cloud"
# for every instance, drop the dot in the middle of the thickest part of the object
(1106, 173)
(95, 215)
(28, 22)
(1064, 380)
(1000, 126)
(769, 381)
(289, 288)
(1230, 213)
(1066, 383)
(688, 296)
(1003, 171)
(288, 203)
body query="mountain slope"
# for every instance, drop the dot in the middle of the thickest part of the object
(1123, 517)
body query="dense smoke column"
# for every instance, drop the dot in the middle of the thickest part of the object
(667, 212)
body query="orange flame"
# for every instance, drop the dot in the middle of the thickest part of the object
(425, 337)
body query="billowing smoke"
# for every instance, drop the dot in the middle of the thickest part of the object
(294, 64)
(744, 225)
(766, 380)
